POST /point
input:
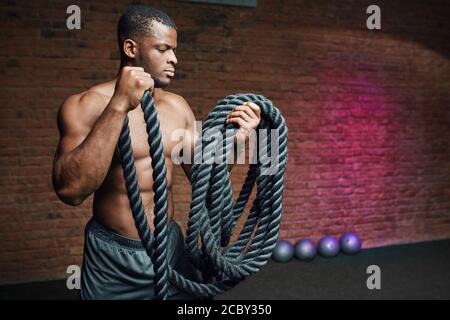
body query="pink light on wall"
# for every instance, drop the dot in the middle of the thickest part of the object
(357, 150)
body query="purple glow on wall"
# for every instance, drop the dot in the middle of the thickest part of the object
(359, 147)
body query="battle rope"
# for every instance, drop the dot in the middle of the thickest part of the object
(212, 216)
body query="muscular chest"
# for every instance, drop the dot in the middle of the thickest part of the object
(171, 127)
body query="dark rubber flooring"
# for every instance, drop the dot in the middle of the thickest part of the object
(412, 271)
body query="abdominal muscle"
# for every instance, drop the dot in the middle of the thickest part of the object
(111, 206)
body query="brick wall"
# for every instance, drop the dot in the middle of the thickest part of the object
(368, 113)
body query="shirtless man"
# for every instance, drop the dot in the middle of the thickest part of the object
(87, 161)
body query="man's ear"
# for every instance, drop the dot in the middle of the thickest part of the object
(130, 48)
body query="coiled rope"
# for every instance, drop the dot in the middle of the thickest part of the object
(212, 216)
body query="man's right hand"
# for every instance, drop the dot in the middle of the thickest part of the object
(131, 85)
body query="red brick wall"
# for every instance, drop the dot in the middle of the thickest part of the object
(368, 113)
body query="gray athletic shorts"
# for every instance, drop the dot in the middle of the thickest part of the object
(115, 267)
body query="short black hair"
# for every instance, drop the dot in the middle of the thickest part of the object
(137, 22)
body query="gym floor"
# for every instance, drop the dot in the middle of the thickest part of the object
(412, 271)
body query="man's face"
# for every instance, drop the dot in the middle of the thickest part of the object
(156, 54)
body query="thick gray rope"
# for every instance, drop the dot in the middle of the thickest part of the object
(212, 216)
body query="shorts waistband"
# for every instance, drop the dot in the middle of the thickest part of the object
(99, 231)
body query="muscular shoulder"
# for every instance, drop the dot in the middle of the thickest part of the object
(80, 111)
(175, 101)
(179, 105)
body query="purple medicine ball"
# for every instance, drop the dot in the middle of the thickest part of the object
(283, 252)
(328, 247)
(305, 250)
(350, 243)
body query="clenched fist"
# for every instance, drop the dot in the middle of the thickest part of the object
(131, 85)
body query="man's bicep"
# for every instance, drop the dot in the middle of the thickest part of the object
(191, 131)
(189, 140)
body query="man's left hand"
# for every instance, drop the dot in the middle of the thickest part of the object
(247, 116)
